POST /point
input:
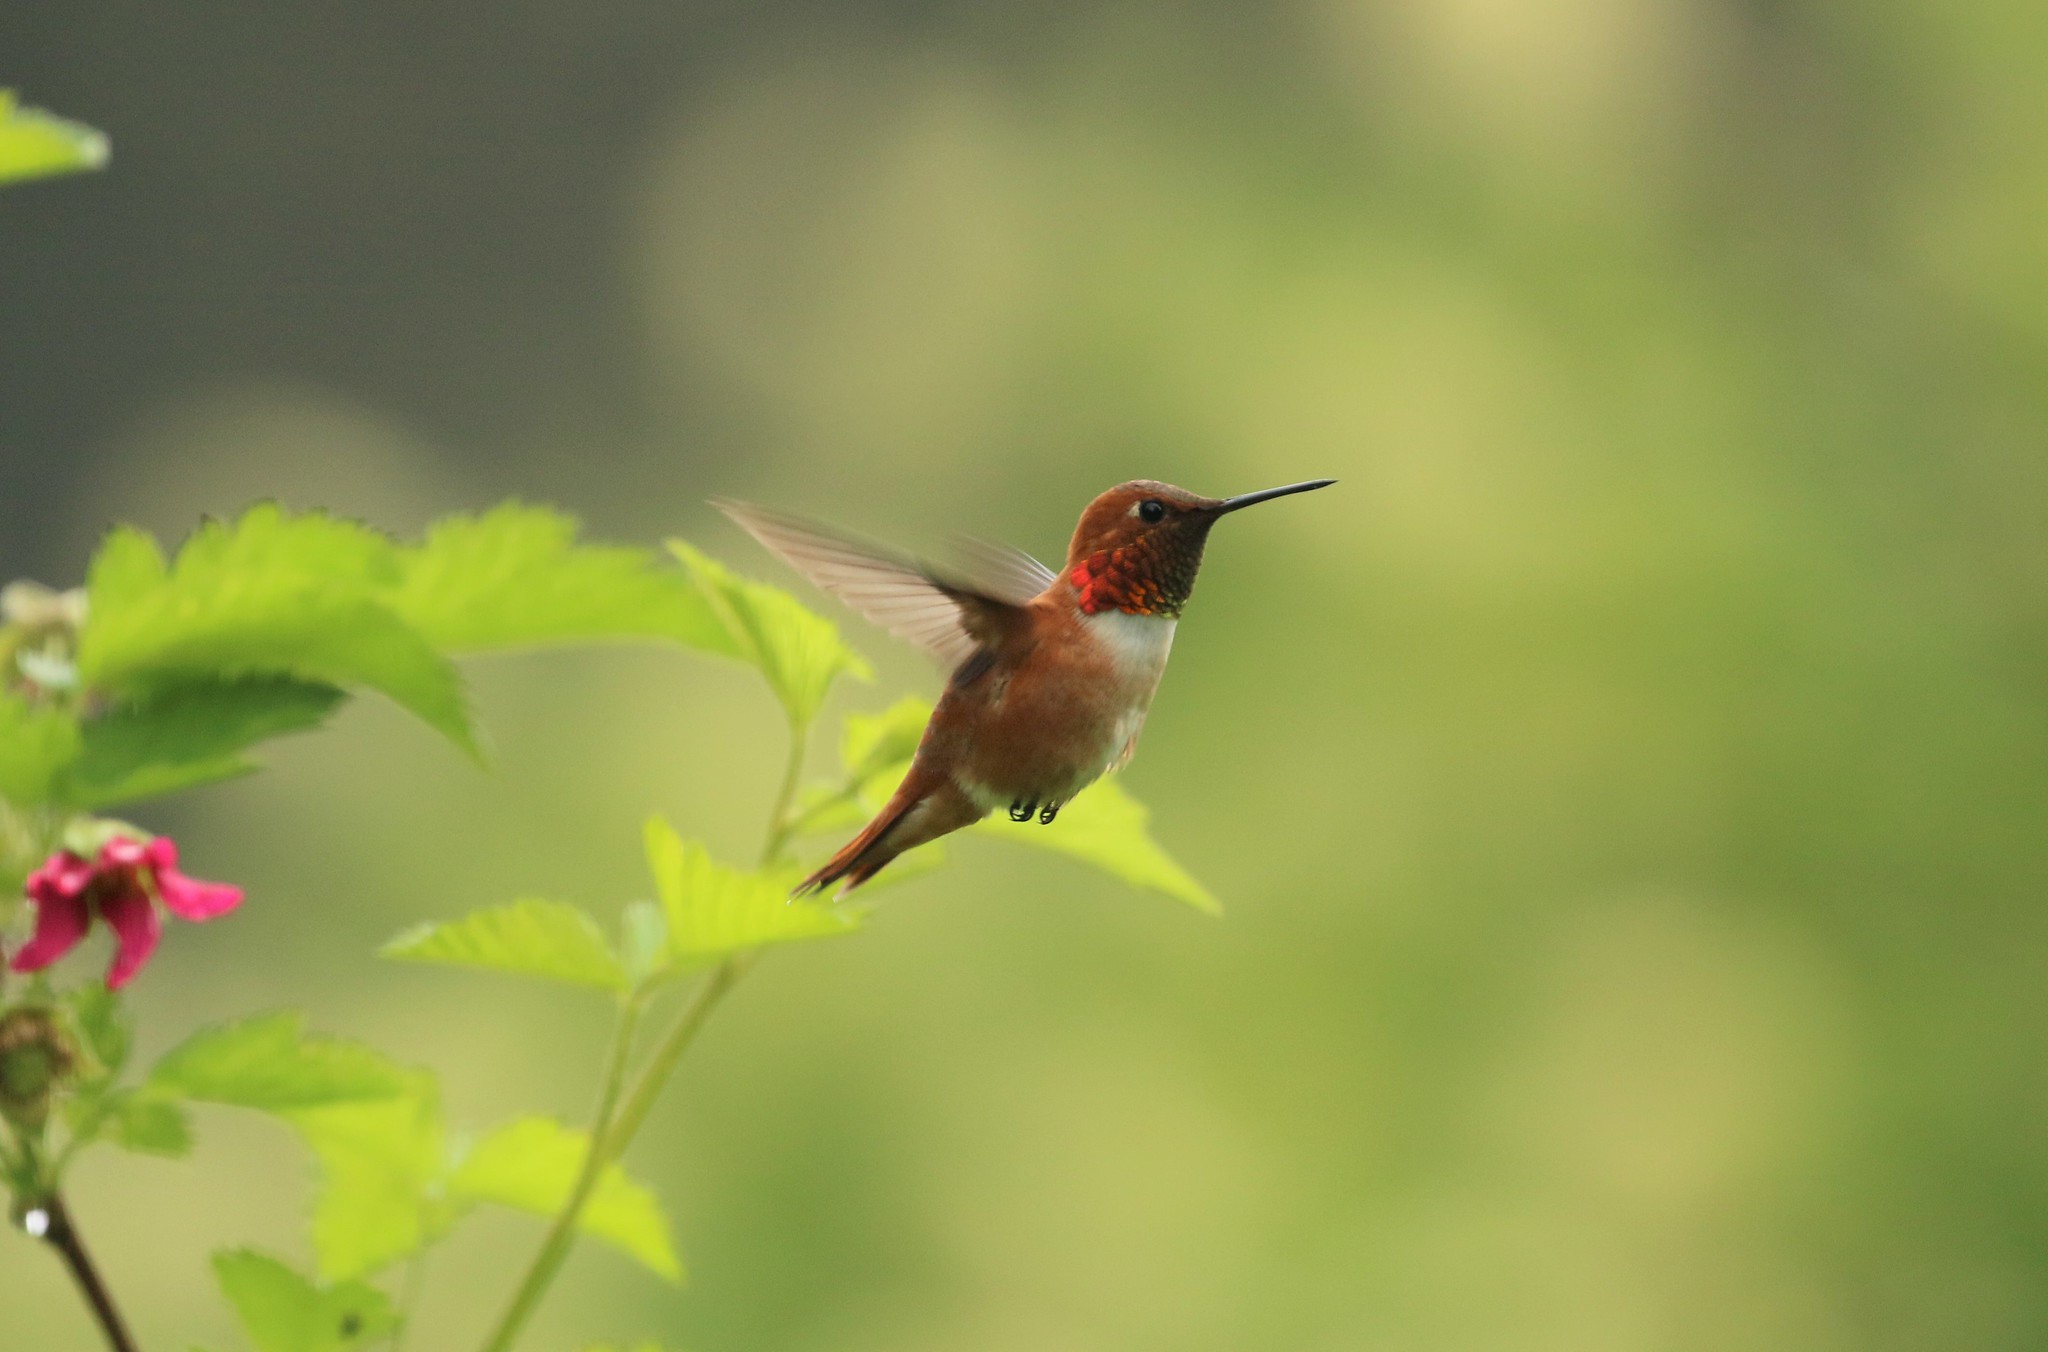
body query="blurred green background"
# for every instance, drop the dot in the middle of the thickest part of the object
(1627, 787)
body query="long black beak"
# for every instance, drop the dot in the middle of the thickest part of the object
(1247, 499)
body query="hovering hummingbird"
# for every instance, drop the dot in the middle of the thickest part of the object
(1052, 673)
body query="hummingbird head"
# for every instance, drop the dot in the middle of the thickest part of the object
(1139, 545)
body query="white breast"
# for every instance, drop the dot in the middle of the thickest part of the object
(1137, 643)
(1137, 646)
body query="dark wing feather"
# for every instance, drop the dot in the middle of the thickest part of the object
(951, 617)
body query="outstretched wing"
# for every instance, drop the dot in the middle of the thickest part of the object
(953, 617)
(1000, 571)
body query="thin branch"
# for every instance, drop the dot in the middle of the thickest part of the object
(780, 823)
(639, 1101)
(554, 1249)
(621, 1112)
(62, 1235)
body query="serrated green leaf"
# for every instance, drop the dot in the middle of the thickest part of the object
(871, 743)
(380, 1174)
(532, 1163)
(126, 568)
(148, 1124)
(270, 1064)
(714, 911)
(268, 536)
(36, 144)
(36, 743)
(1106, 827)
(187, 734)
(531, 937)
(271, 594)
(103, 1023)
(281, 1311)
(515, 576)
(799, 652)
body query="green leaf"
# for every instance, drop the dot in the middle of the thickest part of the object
(127, 566)
(714, 911)
(270, 1064)
(34, 144)
(101, 1021)
(619, 1347)
(380, 1174)
(1105, 826)
(872, 743)
(148, 1124)
(268, 536)
(800, 653)
(187, 734)
(532, 1163)
(283, 1312)
(531, 937)
(36, 743)
(515, 576)
(272, 594)
(374, 1129)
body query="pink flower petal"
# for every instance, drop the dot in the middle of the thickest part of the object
(161, 853)
(61, 877)
(121, 852)
(61, 921)
(137, 926)
(190, 899)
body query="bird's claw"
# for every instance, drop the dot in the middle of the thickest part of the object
(1047, 813)
(1020, 811)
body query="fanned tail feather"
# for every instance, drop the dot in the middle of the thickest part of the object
(863, 856)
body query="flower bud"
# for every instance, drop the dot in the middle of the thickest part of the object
(34, 606)
(39, 638)
(36, 1058)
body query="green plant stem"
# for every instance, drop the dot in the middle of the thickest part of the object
(14, 1166)
(653, 1077)
(619, 1117)
(554, 1249)
(780, 823)
(662, 1063)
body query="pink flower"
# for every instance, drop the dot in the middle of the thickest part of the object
(67, 891)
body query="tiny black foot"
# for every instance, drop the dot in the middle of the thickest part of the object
(1020, 811)
(1047, 813)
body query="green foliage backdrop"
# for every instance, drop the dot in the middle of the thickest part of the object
(1625, 787)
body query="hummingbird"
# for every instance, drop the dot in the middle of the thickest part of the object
(1051, 674)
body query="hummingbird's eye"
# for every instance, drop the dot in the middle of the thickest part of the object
(1152, 509)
